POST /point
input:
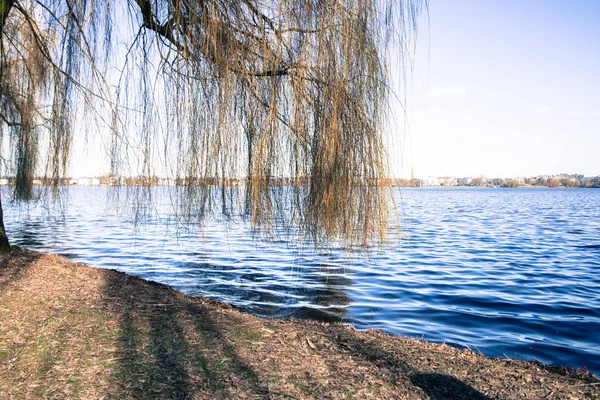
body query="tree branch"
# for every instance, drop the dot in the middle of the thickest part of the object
(5, 7)
(167, 31)
(9, 123)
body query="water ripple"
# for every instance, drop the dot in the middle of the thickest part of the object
(510, 272)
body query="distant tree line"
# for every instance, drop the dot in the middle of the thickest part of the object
(594, 182)
(569, 181)
(563, 180)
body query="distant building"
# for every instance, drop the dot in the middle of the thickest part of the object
(85, 182)
(166, 182)
(447, 181)
(431, 181)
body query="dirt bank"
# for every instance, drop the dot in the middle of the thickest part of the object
(71, 331)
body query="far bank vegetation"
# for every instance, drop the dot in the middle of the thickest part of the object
(550, 181)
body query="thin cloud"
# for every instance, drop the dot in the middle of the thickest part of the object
(542, 110)
(575, 114)
(453, 91)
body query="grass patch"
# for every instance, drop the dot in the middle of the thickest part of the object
(244, 336)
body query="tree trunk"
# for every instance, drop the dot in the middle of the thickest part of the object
(4, 244)
(5, 7)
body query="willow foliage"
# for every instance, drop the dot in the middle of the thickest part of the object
(288, 96)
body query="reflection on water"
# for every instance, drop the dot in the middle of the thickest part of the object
(512, 272)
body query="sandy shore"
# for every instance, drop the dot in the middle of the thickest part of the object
(72, 331)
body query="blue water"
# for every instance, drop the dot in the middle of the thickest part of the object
(511, 272)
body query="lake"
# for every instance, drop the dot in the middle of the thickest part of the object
(509, 272)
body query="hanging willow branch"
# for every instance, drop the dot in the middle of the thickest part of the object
(288, 97)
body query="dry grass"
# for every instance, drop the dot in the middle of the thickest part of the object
(71, 331)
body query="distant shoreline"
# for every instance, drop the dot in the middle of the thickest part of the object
(290, 185)
(491, 187)
(542, 181)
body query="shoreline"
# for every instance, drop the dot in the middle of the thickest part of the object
(68, 330)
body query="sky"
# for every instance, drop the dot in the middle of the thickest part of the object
(503, 89)
(499, 88)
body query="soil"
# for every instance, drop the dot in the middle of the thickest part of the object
(71, 331)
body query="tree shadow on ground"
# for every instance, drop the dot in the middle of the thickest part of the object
(76, 331)
(434, 385)
(171, 347)
(14, 264)
(438, 386)
(176, 347)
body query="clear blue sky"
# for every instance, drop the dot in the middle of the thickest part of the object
(500, 88)
(505, 88)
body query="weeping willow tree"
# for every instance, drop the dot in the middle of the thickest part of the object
(289, 97)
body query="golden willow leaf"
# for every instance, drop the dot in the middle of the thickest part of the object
(273, 110)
